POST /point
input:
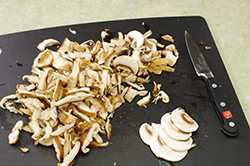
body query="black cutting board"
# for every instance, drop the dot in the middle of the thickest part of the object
(185, 89)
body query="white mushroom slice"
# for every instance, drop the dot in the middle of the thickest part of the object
(161, 150)
(67, 45)
(87, 137)
(168, 38)
(61, 63)
(72, 31)
(44, 59)
(172, 130)
(127, 62)
(31, 78)
(72, 154)
(73, 78)
(144, 101)
(146, 133)
(67, 118)
(10, 106)
(6, 98)
(58, 148)
(73, 98)
(168, 53)
(108, 128)
(183, 121)
(83, 108)
(48, 131)
(62, 129)
(131, 94)
(43, 79)
(80, 115)
(13, 136)
(137, 56)
(136, 86)
(177, 145)
(163, 96)
(136, 37)
(47, 43)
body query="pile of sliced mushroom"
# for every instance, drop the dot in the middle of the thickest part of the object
(74, 91)
(171, 139)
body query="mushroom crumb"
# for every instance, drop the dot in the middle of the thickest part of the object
(208, 48)
(202, 43)
(75, 90)
(24, 149)
(18, 63)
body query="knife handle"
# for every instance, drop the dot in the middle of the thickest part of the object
(229, 125)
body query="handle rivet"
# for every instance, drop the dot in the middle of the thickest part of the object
(223, 104)
(214, 85)
(231, 124)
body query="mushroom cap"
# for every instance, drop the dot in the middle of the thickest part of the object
(178, 145)
(161, 150)
(183, 121)
(172, 130)
(146, 133)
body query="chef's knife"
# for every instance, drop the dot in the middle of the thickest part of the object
(202, 69)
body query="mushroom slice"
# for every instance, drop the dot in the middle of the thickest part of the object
(67, 45)
(67, 118)
(87, 137)
(183, 121)
(163, 96)
(72, 154)
(47, 43)
(95, 144)
(13, 136)
(6, 98)
(146, 133)
(136, 86)
(58, 148)
(161, 150)
(168, 38)
(44, 59)
(83, 108)
(73, 78)
(144, 101)
(127, 62)
(172, 130)
(73, 98)
(177, 145)
(136, 37)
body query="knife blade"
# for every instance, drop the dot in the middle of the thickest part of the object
(229, 126)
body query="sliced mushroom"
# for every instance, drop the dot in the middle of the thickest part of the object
(47, 43)
(13, 136)
(172, 130)
(136, 37)
(127, 62)
(144, 101)
(183, 121)
(161, 150)
(177, 145)
(146, 133)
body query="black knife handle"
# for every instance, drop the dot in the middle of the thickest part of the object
(229, 125)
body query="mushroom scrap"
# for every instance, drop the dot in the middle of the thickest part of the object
(171, 139)
(74, 91)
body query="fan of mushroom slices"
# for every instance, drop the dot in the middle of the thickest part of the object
(74, 91)
(171, 139)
